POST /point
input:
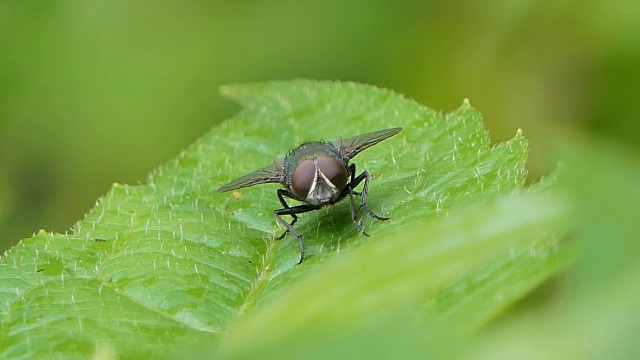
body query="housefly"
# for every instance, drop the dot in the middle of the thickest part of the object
(317, 174)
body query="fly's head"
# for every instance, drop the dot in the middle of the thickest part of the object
(316, 173)
(319, 180)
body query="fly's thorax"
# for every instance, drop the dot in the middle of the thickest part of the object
(317, 175)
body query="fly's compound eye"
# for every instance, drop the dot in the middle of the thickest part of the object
(303, 178)
(333, 170)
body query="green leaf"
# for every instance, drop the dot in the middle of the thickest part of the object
(155, 268)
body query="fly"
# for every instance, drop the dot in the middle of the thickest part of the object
(317, 174)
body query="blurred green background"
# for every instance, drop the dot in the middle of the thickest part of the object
(96, 92)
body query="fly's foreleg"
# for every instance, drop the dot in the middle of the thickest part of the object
(293, 211)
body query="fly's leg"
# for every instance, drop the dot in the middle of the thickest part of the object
(355, 181)
(352, 171)
(365, 190)
(352, 203)
(354, 212)
(281, 193)
(293, 211)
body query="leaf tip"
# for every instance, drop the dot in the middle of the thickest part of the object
(116, 185)
(519, 134)
(236, 92)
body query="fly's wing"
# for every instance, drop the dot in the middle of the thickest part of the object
(273, 173)
(349, 148)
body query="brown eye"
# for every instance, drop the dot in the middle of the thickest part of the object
(333, 170)
(303, 177)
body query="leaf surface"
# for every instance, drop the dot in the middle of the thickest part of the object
(156, 267)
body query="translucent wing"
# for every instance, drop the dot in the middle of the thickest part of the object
(273, 173)
(349, 148)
